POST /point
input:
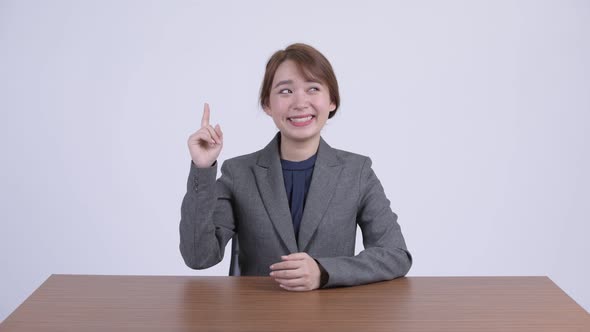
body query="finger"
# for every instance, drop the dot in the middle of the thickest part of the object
(204, 140)
(295, 289)
(295, 256)
(213, 134)
(217, 138)
(202, 135)
(286, 274)
(291, 282)
(285, 265)
(219, 132)
(206, 115)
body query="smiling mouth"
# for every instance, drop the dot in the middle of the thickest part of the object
(299, 119)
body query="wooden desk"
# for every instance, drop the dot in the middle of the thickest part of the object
(158, 303)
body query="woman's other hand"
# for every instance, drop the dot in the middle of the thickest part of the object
(297, 272)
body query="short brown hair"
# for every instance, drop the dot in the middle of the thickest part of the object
(311, 63)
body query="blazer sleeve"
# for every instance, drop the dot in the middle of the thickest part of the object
(206, 216)
(385, 255)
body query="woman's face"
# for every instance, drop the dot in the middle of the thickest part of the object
(299, 107)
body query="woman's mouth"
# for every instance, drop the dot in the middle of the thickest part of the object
(300, 121)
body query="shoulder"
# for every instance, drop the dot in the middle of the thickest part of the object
(263, 156)
(352, 165)
(355, 165)
(242, 161)
(338, 156)
(348, 157)
(247, 160)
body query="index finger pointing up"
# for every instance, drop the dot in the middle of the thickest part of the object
(206, 115)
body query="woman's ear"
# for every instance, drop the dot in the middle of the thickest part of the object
(267, 110)
(332, 106)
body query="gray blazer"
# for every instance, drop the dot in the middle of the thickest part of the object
(249, 198)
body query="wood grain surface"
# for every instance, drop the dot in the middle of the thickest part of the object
(168, 303)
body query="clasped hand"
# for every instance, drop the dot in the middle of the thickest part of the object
(297, 272)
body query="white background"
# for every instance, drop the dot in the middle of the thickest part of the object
(476, 115)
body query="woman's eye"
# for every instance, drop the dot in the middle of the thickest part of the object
(313, 88)
(284, 91)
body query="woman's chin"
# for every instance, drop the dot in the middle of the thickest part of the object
(300, 136)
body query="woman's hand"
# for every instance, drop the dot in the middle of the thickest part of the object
(297, 272)
(205, 144)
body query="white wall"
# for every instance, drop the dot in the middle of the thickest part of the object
(476, 115)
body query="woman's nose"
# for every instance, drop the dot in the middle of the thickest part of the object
(301, 100)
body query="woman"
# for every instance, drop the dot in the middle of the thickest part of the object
(296, 203)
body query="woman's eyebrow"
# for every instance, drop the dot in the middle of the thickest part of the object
(285, 82)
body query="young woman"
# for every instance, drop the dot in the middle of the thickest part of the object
(296, 203)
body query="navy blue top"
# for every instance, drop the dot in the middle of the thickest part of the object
(297, 177)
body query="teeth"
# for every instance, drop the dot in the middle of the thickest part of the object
(301, 119)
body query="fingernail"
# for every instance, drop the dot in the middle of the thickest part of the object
(272, 274)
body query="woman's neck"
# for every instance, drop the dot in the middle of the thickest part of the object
(298, 151)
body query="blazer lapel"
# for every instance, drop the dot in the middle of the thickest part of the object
(269, 177)
(325, 176)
